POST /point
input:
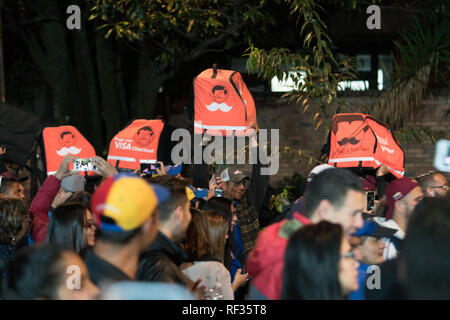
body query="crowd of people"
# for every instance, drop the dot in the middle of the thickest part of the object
(156, 236)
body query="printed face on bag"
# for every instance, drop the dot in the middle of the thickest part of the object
(144, 136)
(218, 95)
(68, 141)
(349, 129)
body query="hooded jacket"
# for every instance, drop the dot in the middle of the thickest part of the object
(265, 263)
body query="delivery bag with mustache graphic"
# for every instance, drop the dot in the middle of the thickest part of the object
(63, 140)
(359, 140)
(141, 141)
(220, 104)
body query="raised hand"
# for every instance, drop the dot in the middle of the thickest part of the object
(105, 168)
(63, 170)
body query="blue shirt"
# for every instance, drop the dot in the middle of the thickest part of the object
(362, 276)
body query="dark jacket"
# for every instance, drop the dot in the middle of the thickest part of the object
(161, 261)
(101, 271)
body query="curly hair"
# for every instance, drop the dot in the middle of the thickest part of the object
(12, 213)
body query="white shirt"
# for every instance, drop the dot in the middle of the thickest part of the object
(211, 273)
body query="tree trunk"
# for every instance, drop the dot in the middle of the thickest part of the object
(88, 90)
(147, 86)
(113, 103)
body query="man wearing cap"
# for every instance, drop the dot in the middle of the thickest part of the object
(125, 208)
(11, 186)
(402, 196)
(234, 183)
(370, 248)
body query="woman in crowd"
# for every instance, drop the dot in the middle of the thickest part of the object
(72, 227)
(205, 246)
(319, 264)
(14, 223)
(47, 272)
(234, 259)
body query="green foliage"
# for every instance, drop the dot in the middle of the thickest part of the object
(423, 59)
(349, 4)
(284, 198)
(298, 183)
(322, 69)
(419, 134)
(180, 28)
(427, 42)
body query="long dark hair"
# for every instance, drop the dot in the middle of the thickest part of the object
(66, 227)
(217, 229)
(311, 263)
(36, 272)
(197, 244)
(426, 248)
(222, 206)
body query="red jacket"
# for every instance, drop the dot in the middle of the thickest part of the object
(265, 262)
(40, 207)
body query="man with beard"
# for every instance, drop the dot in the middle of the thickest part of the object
(402, 196)
(234, 184)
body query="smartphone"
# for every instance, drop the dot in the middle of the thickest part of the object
(150, 168)
(218, 192)
(84, 165)
(370, 200)
(442, 156)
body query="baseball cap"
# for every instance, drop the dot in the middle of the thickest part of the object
(73, 183)
(373, 229)
(233, 174)
(10, 176)
(127, 200)
(397, 190)
(174, 170)
(316, 170)
(193, 192)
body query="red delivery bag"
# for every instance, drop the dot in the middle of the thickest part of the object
(137, 143)
(63, 140)
(222, 104)
(359, 140)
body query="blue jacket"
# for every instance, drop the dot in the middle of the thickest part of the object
(362, 276)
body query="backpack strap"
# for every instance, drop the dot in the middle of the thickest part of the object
(214, 75)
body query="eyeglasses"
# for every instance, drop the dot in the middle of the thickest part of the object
(244, 182)
(90, 224)
(445, 187)
(350, 254)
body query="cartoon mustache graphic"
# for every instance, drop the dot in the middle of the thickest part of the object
(65, 150)
(216, 106)
(352, 141)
